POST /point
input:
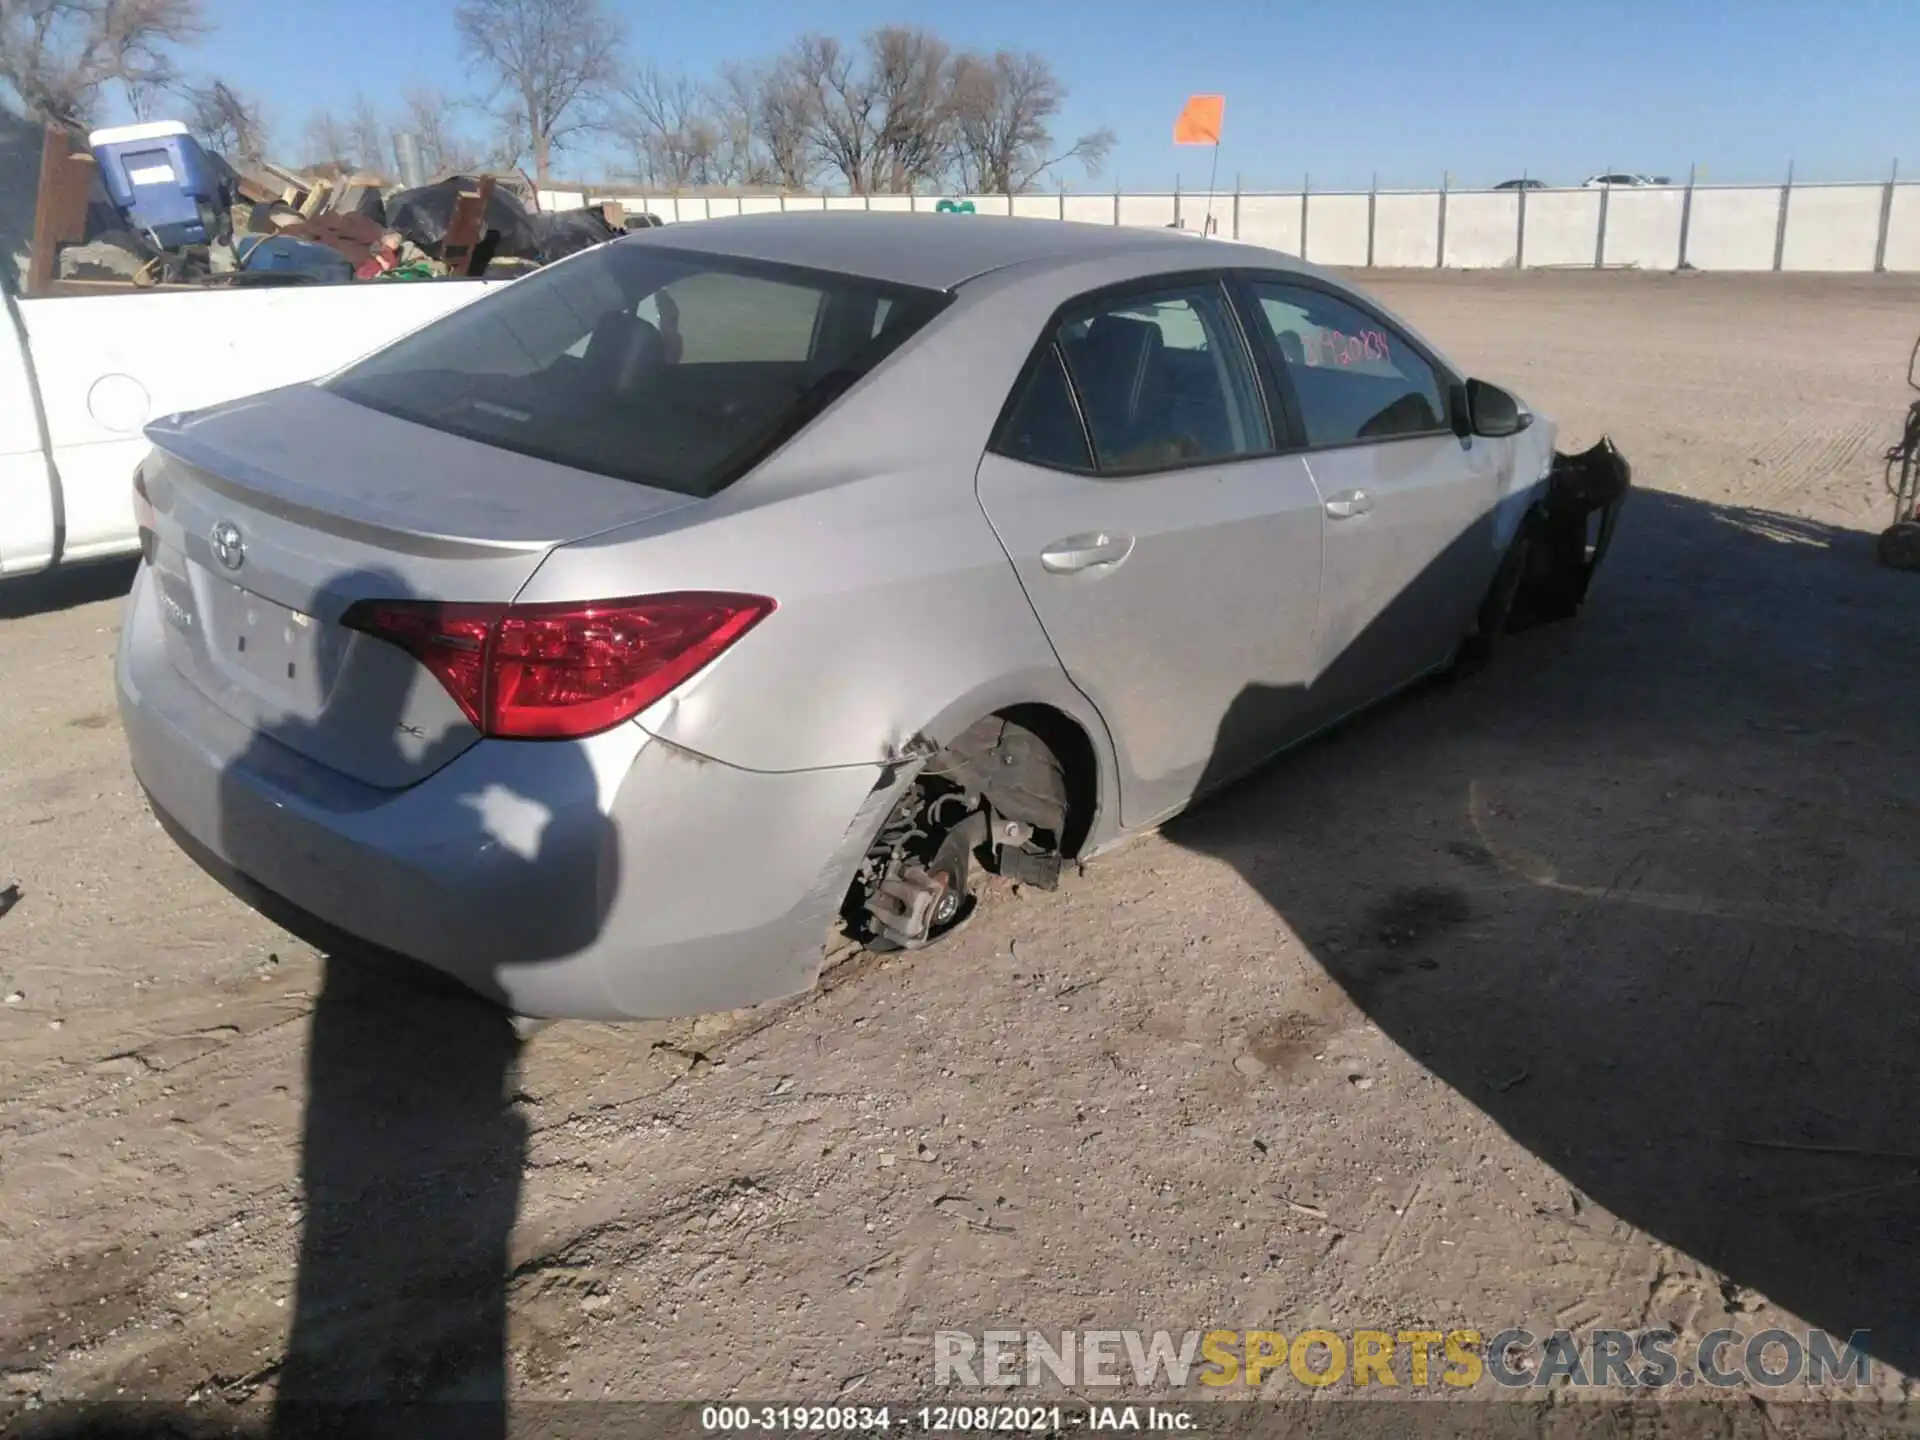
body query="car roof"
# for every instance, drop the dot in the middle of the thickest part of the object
(930, 250)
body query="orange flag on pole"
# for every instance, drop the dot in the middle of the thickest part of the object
(1199, 122)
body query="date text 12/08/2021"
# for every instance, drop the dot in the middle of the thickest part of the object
(940, 1419)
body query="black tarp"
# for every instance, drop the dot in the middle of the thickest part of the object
(423, 214)
(572, 231)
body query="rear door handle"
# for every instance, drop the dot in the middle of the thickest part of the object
(1349, 503)
(1086, 552)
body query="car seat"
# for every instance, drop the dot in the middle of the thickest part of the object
(1120, 369)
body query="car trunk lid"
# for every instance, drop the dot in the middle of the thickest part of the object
(272, 515)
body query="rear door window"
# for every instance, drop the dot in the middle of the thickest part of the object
(1353, 377)
(1043, 427)
(1164, 379)
(674, 369)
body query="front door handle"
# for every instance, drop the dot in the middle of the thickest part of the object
(1349, 503)
(1086, 552)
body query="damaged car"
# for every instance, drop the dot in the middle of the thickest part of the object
(640, 623)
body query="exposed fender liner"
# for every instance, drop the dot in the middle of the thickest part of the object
(1560, 559)
(1024, 698)
(1017, 772)
(56, 495)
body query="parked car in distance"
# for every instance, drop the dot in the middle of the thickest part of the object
(720, 582)
(1603, 182)
(1523, 185)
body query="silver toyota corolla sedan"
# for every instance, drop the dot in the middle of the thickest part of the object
(608, 641)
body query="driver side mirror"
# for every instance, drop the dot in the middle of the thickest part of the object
(1494, 412)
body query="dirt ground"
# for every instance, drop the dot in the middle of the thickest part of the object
(1578, 993)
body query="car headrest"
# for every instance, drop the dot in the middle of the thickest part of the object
(1292, 348)
(623, 348)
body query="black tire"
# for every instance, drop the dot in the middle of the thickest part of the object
(1492, 619)
(1899, 547)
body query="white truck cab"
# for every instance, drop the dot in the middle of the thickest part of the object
(81, 376)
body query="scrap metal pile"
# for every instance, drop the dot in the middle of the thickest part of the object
(160, 210)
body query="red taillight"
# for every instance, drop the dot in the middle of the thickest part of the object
(549, 672)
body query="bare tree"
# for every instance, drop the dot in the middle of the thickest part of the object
(665, 119)
(329, 141)
(733, 102)
(908, 74)
(227, 121)
(143, 96)
(783, 115)
(839, 116)
(369, 133)
(427, 116)
(1003, 108)
(57, 55)
(553, 61)
(881, 117)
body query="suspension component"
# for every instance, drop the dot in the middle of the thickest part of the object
(994, 794)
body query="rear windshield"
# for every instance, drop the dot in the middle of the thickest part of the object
(670, 368)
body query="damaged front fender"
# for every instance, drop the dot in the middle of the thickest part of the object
(1568, 534)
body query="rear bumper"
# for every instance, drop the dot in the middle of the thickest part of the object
(610, 878)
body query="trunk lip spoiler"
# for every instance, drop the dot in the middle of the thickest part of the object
(240, 480)
(227, 475)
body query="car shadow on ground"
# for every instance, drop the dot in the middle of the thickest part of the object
(66, 588)
(412, 1143)
(1643, 892)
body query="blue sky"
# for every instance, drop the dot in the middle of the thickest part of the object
(1480, 88)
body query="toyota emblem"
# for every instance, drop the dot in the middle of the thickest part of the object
(229, 548)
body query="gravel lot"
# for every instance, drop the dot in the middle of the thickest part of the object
(1577, 993)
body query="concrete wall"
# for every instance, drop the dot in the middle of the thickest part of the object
(1832, 227)
(1406, 230)
(1091, 209)
(1271, 220)
(1734, 229)
(1828, 227)
(1903, 229)
(1643, 228)
(1483, 229)
(1563, 227)
(1337, 229)
(1154, 212)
